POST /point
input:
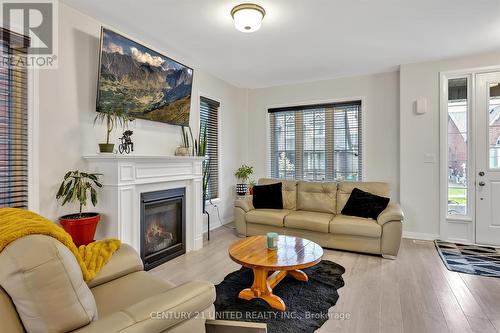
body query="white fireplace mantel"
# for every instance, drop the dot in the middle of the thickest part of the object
(125, 177)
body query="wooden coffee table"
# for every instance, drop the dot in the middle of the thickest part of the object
(271, 266)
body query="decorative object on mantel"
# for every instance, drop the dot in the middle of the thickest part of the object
(75, 188)
(126, 145)
(243, 173)
(185, 148)
(112, 118)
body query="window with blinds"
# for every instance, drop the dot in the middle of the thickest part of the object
(316, 142)
(13, 120)
(209, 117)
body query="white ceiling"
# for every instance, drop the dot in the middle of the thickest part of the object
(306, 40)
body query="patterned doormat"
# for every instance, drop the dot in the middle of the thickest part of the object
(471, 259)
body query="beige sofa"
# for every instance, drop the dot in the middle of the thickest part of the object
(312, 210)
(125, 295)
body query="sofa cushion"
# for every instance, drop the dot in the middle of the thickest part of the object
(139, 286)
(45, 283)
(317, 196)
(272, 217)
(313, 221)
(345, 189)
(365, 204)
(268, 196)
(355, 226)
(289, 191)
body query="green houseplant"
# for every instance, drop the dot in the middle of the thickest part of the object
(243, 173)
(79, 187)
(185, 148)
(200, 146)
(112, 118)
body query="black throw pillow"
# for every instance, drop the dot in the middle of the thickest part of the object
(268, 196)
(364, 204)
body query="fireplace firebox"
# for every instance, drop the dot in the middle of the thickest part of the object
(163, 226)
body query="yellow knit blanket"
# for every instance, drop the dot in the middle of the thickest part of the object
(16, 223)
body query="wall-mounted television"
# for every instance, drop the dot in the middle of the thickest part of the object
(142, 82)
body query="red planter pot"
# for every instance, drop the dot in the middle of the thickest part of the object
(82, 230)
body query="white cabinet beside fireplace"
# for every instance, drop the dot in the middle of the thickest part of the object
(124, 178)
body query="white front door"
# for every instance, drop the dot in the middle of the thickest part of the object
(487, 149)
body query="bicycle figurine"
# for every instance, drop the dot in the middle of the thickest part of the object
(126, 145)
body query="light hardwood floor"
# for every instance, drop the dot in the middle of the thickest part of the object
(414, 293)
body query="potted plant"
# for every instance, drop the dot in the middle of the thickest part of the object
(243, 173)
(200, 147)
(185, 148)
(112, 118)
(76, 187)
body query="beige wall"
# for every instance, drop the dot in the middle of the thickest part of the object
(381, 117)
(67, 109)
(420, 135)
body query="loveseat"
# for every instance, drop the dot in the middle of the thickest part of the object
(127, 298)
(312, 210)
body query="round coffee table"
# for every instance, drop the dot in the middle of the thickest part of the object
(271, 266)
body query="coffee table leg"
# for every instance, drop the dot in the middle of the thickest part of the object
(261, 288)
(299, 275)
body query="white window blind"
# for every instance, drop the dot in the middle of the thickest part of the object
(209, 115)
(316, 142)
(13, 120)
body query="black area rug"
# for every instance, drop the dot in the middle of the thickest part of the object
(471, 259)
(307, 303)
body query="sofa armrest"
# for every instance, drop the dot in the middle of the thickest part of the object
(160, 312)
(123, 262)
(246, 204)
(392, 212)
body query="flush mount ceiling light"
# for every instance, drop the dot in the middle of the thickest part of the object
(248, 17)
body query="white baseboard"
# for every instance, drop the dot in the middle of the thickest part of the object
(420, 235)
(215, 223)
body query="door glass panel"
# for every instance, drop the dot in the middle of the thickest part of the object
(494, 125)
(457, 146)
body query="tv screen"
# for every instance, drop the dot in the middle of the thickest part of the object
(142, 82)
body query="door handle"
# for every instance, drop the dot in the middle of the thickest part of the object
(481, 173)
(481, 183)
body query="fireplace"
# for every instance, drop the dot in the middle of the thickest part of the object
(163, 226)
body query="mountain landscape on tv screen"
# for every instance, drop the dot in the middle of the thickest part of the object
(142, 82)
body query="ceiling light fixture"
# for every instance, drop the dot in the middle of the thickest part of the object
(248, 17)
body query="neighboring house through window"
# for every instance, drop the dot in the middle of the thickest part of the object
(209, 117)
(316, 142)
(13, 120)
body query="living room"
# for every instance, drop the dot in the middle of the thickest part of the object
(276, 166)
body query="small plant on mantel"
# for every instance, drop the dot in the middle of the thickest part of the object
(112, 118)
(79, 187)
(185, 148)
